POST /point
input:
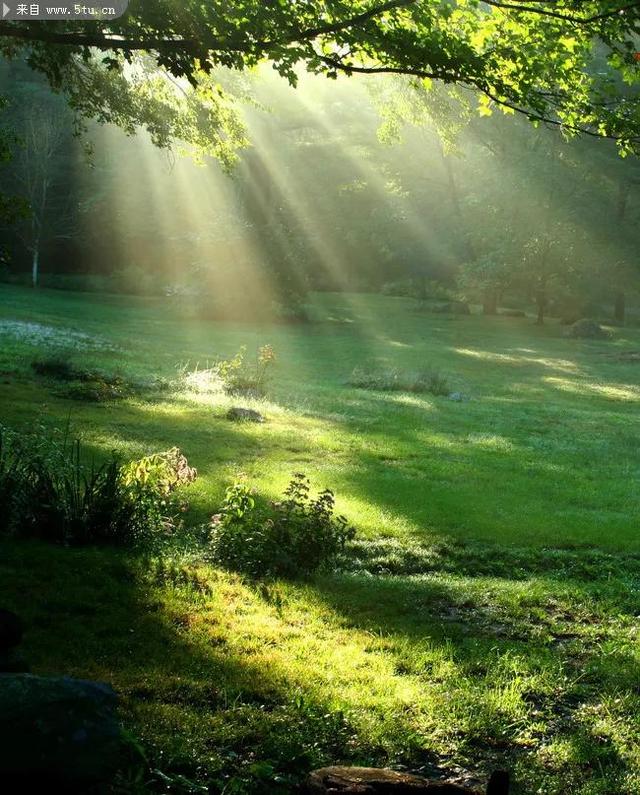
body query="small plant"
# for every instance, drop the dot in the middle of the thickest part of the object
(295, 536)
(240, 376)
(394, 380)
(432, 381)
(95, 391)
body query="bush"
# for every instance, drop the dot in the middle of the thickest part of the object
(240, 376)
(57, 367)
(417, 287)
(48, 492)
(394, 380)
(293, 537)
(588, 329)
(13, 473)
(444, 308)
(90, 385)
(96, 391)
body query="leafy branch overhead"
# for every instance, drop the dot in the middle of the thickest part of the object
(568, 62)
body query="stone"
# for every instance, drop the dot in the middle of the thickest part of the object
(374, 781)
(588, 329)
(11, 630)
(244, 415)
(457, 397)
(58, 734)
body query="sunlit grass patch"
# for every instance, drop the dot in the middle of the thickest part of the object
(624, 392)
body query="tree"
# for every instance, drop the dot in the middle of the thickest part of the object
(36, 170)
(564, 62)
(547, 261)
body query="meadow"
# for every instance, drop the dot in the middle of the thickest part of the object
(487, 613)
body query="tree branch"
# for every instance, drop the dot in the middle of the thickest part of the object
(104, 42)
(565, 17)
(531, 115)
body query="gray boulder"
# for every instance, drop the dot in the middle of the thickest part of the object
(244, 415)
(59, 733)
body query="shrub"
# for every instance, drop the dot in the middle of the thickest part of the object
(49, 493)
(57, 367)
(95, 391)
(394, 380)
(432, 381)
(12, 475)
(240, 376)
(296, 536)
(89, 385)
(417, 287)
(588, 329)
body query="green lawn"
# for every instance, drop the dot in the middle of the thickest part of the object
(544, 453)
(489, 616)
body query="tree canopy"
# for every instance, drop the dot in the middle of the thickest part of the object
(571, 63)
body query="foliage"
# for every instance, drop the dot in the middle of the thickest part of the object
(50, 493)
(95, 390)
(162, 473)
(573, 65)
(588, 329)
(421, 289)
(395, 380)
(86, 385)
(58, 367)
(295, 536)
(241, 376)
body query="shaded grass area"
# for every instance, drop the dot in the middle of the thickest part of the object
(229, 683)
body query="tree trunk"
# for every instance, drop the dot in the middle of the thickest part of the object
(621, 211)
(35, 265)
(619, 306)
(541, 302)
(490, 302)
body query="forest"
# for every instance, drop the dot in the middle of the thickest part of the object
(319, 386)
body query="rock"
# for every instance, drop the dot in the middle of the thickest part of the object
(244, 415)
(58, 734)
(11, 630)
(458, 397)
(588, 329)
(373, 781)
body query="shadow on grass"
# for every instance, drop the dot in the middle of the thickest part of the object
(162, 635)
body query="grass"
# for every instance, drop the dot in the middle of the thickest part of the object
(488, 614)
